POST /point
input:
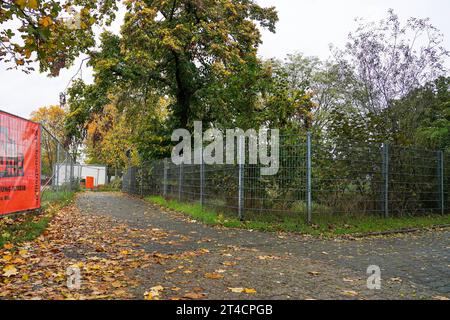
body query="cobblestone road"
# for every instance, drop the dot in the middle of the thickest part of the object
(277, 266)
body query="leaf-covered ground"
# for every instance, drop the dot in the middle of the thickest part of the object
(128, 249)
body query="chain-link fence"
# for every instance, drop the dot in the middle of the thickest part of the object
(58, 170)
(315, 177)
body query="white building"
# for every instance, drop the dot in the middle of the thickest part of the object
(80, 171)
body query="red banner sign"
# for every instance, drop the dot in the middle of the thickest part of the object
(20, 164)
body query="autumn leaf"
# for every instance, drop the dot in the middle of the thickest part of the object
(194, 295)
(149, 296)
(350, 293)
(213, 276)
(171, 271)
(442, 298)
(8, 246)
(9, 271)
(23, 253)
(33, 4)
(249, 291)
(7, 257)
(154, 293)
(45, 21)
(268, 258)
(242, 290)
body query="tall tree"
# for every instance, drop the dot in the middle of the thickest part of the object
(52, 118)
(387, 60)
(180, 46)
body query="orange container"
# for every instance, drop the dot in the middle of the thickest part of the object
(90, 183)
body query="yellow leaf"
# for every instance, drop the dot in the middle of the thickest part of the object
(7, 257)
(21, 3)
(171, 271)
(149, 296)
(213, 276)
(153, 294)
(23, 253)
(157, 288)
(45, 21)
(25, 277)
(243, 290)
(32, 4)
(18, 261)
(350, 293)
(249, 291)
(9, 271)
(8, 246)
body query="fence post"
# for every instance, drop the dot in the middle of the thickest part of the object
(180, 182)
(441, 180)
(70, 173)
(141, 180)
(57, 166)
(241, 178)
(202, 183)
(385, 172)
(165, 178)
(308, 178)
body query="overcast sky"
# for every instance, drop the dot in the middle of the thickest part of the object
(306, 26)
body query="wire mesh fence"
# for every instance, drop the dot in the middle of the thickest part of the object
(315, 177)
(58, 169)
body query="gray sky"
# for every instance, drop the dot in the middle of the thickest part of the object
(306, 26)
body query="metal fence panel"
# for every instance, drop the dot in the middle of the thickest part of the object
(315, 177)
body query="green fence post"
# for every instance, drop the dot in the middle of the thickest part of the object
(441, 181)
(202, 183)
(241, 160)
(308, 178)
(165, 178)
(180, 183)
(386, 179)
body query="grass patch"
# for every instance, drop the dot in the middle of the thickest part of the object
(324, 225)
(27, 226)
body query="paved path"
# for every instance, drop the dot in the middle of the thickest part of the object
(277, 266)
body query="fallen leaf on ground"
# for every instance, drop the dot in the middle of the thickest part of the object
(350, 293)
(441, 298)
(9, 271)
(171, 271)
(193, 295)
(242, 290)
(153, 294)
(267, 258)
(213, 276)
